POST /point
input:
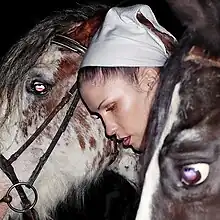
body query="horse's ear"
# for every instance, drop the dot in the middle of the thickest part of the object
(201, 17)
(84, 32)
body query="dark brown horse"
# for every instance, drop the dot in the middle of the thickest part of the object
(182, 158)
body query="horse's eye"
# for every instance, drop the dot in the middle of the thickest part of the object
(39, 88)
(194, 174)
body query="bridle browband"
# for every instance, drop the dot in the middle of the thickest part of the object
(69, 43)
(6, 166)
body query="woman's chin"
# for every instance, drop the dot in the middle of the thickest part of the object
(136, 148)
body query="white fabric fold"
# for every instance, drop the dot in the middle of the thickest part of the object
(123, 41)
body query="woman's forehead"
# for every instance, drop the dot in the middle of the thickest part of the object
(110, 84)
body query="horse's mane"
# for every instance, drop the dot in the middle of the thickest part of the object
(23, 55)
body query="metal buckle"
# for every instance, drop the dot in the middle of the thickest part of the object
(8, 198)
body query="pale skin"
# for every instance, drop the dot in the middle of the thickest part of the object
(123, 106)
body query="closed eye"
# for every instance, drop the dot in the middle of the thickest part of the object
(111, 107)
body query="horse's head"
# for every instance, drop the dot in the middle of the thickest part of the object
(37, 85)
(37, 73)
(181, 163)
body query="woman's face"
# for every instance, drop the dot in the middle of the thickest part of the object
(123, 108)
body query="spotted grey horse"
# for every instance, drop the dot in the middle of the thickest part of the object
(49, 143)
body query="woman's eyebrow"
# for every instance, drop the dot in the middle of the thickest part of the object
(101, 104)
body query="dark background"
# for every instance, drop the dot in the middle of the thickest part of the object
(17, 17)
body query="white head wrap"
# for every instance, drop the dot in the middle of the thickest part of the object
(123, 41)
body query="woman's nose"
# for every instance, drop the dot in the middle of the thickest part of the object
(110, 128)
(110, 131)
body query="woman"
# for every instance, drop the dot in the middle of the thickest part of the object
(119, 74)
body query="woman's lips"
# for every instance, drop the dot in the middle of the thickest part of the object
(126, 141)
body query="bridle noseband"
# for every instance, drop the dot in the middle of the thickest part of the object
(69, 43)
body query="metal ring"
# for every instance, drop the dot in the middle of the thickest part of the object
(31, 205)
